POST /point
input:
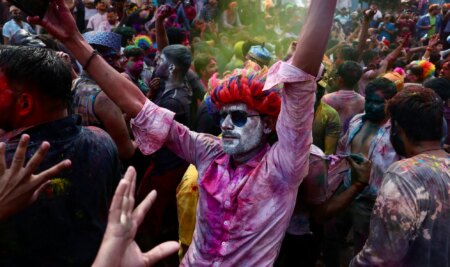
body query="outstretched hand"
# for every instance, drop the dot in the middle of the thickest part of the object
(118, 247)
(19, 187)
(58, 21)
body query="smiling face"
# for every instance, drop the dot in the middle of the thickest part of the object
(241, 136)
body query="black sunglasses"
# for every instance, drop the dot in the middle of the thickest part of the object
(238, 117)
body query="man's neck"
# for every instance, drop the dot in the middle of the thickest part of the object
(48, 117)
(18, 21)
(426, 147)
(173, 83)
(242, 158)
(344, 88)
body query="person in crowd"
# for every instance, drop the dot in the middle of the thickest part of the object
(346, 101)
(210, 12)
(368, 135)
(440, 87)
(431, 23)
(70, 214)
(134, 65)
(101, 16)
(411, 212)
(230, 17)
(14, 24)
(111, 21)
(239, 173)
(205, 66)
(91, 103)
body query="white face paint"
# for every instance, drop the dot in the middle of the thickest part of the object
(241, 140)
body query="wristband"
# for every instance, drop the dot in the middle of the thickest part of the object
(88, 62)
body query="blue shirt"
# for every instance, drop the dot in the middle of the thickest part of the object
(11, 27)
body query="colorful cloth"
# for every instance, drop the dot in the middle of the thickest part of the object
(65, 226)
(411, 217)
(326, 126)
(381, 153)
(109, 39)
(347, 103)
(244, 211)
(84, 92)
(260, 54)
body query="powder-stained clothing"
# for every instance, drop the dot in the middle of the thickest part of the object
(65, 226)
(411, 218)
(244, 211)
(326, 124)
(347, 103)
(84, 93)
(381, 153)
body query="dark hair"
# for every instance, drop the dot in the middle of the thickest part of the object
(175, 36)
(368, 55)
(349, 53)
(111, 10)
(180, 56)
(127, 34)
(133, 51)
(440, 86)
(350, 72)
(419, 112)
(384, 85)
(201, 61)
(39, 69)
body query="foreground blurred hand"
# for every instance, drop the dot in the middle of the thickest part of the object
(118, 247)
(19, 187)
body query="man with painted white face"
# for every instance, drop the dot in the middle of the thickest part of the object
(247, 188)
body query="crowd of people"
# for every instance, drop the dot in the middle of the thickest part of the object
(264, 147)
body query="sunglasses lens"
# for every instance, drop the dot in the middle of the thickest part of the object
(239, 118)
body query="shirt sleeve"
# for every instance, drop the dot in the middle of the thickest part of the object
(394, 221)
(294, 126)
(154, 127)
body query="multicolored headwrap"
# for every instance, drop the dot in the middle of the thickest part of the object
(108, 39)
(245, 86)
(260, 54)
(428, 68)
(396, 78)
(143, 41)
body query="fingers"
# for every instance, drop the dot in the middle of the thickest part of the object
(37, 158)
(2, 158)
(115, 210)
(19, 156)
(160, 252)
(49, 173)
(141, 210)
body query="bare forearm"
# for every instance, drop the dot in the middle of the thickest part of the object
(119, 89)
(314, 36)
(336, 204)
(161, 36)
(363, 37)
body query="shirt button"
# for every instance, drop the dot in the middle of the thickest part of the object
(227, 204)
(224, 244)
(226, 223)
(216, 264)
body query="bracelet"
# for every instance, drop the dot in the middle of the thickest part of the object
(88, 62)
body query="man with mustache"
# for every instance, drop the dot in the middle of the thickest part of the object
(409, 223)
(247, 187)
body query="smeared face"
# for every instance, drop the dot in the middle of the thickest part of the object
(162, 68)
(445, 71)
(8, 99)
(210, 69)
(374, 107)
(16, 14)
(112, 18)
(135, 65)
(240, 139)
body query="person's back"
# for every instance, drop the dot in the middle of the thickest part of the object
(64, 227)
(66, 224)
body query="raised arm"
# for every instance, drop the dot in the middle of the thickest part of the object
(162, 13)
(314, 36)
(59, 22)
(368, 15)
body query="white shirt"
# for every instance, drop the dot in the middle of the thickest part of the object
(94, 21)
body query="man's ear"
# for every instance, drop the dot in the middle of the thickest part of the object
(268, 124)
(25, 104)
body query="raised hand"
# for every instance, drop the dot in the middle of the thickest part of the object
(166, 11)
(118, 247)
(19, 187)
